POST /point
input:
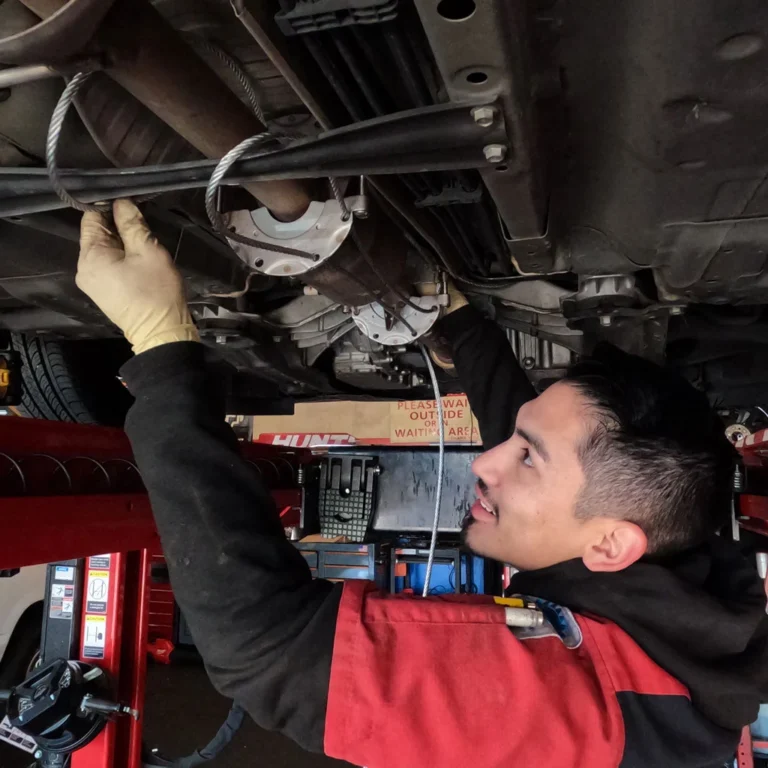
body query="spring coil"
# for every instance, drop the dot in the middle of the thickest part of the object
(41, 474)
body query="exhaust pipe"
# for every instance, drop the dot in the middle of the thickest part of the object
(148, 58)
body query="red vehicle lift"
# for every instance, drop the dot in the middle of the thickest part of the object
(73, 496)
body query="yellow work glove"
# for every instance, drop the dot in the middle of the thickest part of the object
(132, 279)
(457, 298)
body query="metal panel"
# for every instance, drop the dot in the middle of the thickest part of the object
(407, 485)
(483, 56)
(100, 753)
(74, 526)
(61, 626)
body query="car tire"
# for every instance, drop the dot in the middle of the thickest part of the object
(23, 649)
(72, 380)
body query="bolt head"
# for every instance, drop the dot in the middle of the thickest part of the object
(38, 754)
(605, 320)
(528, 363)
(675, 310)
(495, 153)
(484, 116)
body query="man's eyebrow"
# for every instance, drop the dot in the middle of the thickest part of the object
(534, 441)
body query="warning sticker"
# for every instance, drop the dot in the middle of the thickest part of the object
(64, 573)
(62, 602)
(94, 638)
(15, 737)
(99, 561)
(56, 610)
(97, 591)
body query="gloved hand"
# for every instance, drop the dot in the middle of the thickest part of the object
(457, 298)
(132, 279)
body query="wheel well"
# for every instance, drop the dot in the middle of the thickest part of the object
(32, 613)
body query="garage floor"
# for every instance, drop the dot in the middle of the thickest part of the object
(183, 712)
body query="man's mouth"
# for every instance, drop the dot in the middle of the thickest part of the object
(488, 507)
(483, 510)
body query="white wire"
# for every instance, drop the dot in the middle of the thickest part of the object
(440, 462)
(762, 410)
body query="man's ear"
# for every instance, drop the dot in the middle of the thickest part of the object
(620, 544)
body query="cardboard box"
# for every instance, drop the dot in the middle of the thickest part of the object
(357, 422)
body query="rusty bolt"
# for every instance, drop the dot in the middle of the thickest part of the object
(483, 116)
(494, 153)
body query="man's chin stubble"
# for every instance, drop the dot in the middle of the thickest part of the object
(466, 524)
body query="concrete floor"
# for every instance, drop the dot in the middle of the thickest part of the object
(183, 713)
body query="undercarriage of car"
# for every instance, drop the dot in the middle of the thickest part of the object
(321, 170)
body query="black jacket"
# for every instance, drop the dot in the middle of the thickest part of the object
(266, 630)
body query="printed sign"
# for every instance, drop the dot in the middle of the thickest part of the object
(415, 421)
(306, 440)
(64, 573)
(15, 737)
(62, 601)
(408, 422)
(99, 561)
(94, 636)
(97, 592)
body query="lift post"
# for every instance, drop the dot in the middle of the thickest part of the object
(73, 497)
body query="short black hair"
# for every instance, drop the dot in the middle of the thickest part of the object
(658, 457)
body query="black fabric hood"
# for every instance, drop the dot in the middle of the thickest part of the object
(699, 615)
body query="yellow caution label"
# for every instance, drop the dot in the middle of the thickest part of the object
(509, 602)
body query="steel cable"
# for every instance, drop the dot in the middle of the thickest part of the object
(236, 68)
(52, 144)
(336, 189)
(440, 465)
(211, 194)
(237, 152)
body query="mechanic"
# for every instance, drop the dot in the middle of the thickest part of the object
(606, 491)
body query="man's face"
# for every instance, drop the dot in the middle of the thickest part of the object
(528, 486)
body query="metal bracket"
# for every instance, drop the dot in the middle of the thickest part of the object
(441, 137)
(319, 15)
(451, 194)
(378, 325)
(320, 231)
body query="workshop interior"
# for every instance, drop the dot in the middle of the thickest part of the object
(323, 172)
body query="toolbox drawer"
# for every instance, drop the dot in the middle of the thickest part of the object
(339, 562)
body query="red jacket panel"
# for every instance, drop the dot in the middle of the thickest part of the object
(444, 682)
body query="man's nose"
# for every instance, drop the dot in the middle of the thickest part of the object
(489, 466)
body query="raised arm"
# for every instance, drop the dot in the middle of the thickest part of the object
(488, 370)
(264, 629)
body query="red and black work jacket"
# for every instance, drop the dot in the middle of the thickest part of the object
(659, 665)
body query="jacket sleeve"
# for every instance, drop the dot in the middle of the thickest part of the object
(264, 628)
(489, 372)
